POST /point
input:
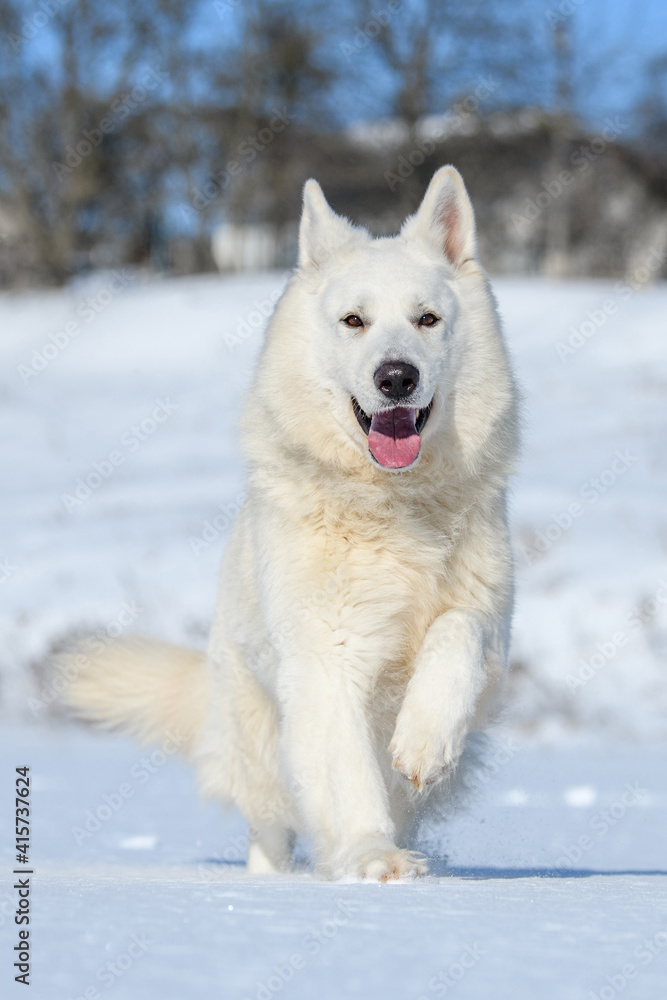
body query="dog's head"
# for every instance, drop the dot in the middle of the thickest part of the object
(372, 334)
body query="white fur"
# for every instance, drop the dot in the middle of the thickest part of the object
(363, 617)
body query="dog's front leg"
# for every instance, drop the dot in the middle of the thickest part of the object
(333, 767)
(451, 673)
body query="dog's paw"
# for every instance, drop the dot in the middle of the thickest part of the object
(392, 864)
(425, 748)
(381, 861)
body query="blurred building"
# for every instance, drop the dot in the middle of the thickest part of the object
(565, 203)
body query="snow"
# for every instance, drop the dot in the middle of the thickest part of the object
(161, 869)
(556, 872)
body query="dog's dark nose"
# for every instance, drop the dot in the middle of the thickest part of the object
(396, 379)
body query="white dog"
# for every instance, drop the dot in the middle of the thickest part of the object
(363, 619)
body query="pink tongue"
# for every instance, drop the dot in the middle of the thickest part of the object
(393, 438)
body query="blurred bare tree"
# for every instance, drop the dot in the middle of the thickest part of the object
(437, 53)
(583, 62)
(652, 108)
(264, 94)
(129, 132)
(84, 91)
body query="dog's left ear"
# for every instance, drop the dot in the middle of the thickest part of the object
(321, 231)
(445, 218)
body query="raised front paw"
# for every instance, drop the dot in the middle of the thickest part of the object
(426, 744)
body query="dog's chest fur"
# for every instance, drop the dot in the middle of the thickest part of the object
(378, 561)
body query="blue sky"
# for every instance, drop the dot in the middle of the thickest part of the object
(614, 42)
(624, 36)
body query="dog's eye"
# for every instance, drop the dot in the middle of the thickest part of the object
(353, 320)
(428, 319)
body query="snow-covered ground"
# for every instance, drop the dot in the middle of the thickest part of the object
(121, 475)
(556, 883)
(135, 388)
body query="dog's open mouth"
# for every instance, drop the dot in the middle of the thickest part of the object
(394, 436)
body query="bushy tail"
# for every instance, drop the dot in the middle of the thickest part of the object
(141, 686)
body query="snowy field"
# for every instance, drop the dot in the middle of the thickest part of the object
(119, 401)
(556, 882)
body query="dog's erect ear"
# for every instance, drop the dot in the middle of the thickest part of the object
(321, 231)
(445, 218)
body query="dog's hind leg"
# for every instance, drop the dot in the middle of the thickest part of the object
(270, 850)
(238, 759)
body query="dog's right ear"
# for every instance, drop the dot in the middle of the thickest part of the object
(321, 231)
